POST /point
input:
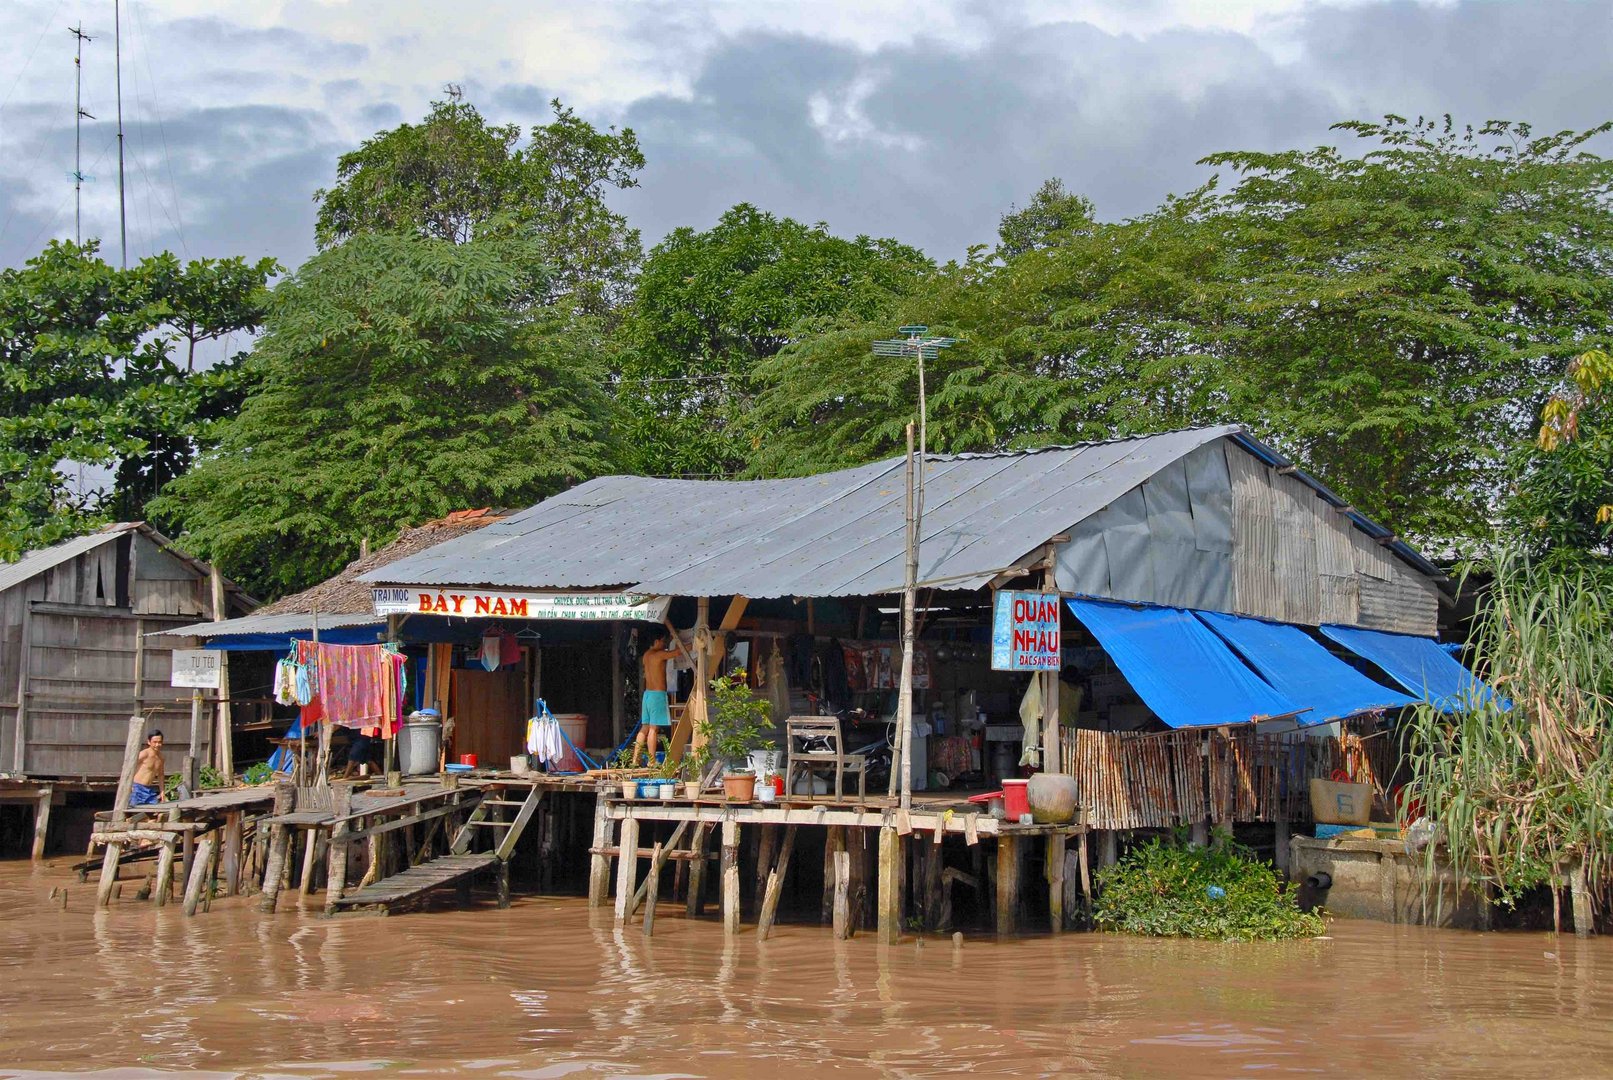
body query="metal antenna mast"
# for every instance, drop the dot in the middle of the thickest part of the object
(919, 345)
(117, 68)
(79, 116)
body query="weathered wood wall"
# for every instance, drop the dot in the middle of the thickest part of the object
(75, 662)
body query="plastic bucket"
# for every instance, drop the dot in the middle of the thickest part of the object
(419, 747)
(468, 759)
(575, 725)
(1016, 798)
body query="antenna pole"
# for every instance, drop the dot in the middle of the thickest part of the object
(117, 68)
(78, 133)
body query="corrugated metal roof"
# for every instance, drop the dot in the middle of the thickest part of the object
(289, 623)
(37, 562)
(838, 534)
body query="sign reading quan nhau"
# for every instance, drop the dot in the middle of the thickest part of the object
(1025, 632)
(499, 604)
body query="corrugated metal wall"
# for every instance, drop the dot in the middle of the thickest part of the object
(1220, 530)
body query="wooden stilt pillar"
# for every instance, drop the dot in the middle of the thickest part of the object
(626, 867)
(695, 901)
(502, 879)
(840, 883)
(41, 822)
(1200, 836)
(1007, 884)
(657, 860)
(275, 871)
(599, 862)
(162, 889)
(861, 855)
(232, 852)
(120, 810)
(310, 853)
(199, 873)
(775, 885)
(730, 876)
(766, 852)
(890, 889)
(1280, 851)
(1580, 892)
(1055, 882)
(1108, 847)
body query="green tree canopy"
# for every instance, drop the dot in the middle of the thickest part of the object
(455, 177)
(1393, 319)
(88, 377)
(1561, 508)
(1051, 211)
(401, 378)
(710, 305)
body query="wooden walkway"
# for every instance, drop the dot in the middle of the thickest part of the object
(390, 894)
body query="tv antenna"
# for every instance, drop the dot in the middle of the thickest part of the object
(921, 346)
(79, 116)
(117, 69)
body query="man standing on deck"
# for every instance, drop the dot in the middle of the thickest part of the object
(148, 773)
(653, 712)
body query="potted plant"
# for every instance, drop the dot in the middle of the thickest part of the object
(737, 722)
(624, 761)
(694, 768)
(666, 774)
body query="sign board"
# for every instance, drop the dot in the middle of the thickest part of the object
(496, 604)
(1025, 632)
(196, 668)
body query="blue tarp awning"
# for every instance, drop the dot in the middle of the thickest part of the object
(336, 635)
(1183, 671)
(1296, 665)
(1421, 665)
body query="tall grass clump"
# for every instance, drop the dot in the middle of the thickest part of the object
(1520, 782)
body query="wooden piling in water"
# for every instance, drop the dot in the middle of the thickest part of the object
(626, 867)
(1007, 884)
(599, 862)
(890, 893)
(730, 876)
(199, 873)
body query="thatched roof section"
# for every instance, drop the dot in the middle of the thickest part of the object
(344, 594)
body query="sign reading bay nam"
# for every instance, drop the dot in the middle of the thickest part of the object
(484, 603)
(1025, 632)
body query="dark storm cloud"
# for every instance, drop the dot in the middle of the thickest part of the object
(931, 142)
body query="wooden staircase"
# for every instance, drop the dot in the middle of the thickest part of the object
(458, 866)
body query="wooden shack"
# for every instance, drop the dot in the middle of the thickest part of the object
(75, 662)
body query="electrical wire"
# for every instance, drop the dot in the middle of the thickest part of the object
(162, 131)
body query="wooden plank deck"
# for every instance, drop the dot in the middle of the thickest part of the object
(415, 882)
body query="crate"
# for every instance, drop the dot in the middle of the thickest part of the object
(1333, 803)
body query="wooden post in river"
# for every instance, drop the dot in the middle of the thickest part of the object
(890, 888)
(120, 810)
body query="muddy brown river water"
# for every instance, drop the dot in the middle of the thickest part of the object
(549, 988)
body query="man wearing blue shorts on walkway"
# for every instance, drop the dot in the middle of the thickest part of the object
(654, 713)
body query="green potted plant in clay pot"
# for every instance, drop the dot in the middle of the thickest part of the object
(737, 722)
(693, 768)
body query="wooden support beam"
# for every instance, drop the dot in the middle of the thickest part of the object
(1579, 886)
(234, 831)
(890, 898)
(626, 868)
(199, 873)
(120, 809)
(840, 884)
(695, 901)
(41, 822)
(653, 882)
(1281, 857)
(599, 863)
(730, 876)
(657, 860)
(775, 885)
(1007, 884)
(766, 848)
(932, 883)
(274, 871)
(162, 889)
(1086, 874)
(1055, 882)
(835, 840)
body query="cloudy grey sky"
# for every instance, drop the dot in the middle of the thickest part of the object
(919, 120)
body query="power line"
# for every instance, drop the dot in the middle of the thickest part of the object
(162, 131)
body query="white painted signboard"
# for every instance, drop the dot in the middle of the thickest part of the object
(197, 668)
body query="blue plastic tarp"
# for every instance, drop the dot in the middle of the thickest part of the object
(1298, 666)
(1179, 667)
(1419, 664)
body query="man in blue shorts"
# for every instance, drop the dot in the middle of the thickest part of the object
(654, 713)
(148, 773)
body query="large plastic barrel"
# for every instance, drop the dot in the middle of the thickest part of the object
(420, 745)
(575, 725)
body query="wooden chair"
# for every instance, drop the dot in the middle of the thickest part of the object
(799, 731)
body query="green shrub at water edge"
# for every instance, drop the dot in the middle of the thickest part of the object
(1220, 892)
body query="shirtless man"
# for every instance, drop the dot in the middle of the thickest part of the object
(148, 773)
(653, 712)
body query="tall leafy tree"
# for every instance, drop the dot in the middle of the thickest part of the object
(402, 377)
(1393, 318)
(1561, 506)
(455, 177)
(713, 304)
(1053, 210)
(90, 381)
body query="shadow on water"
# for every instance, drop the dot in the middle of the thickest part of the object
(549, 988)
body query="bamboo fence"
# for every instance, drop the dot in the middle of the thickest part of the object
(1130, 780)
